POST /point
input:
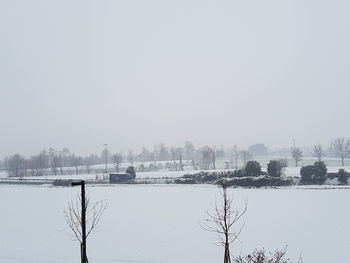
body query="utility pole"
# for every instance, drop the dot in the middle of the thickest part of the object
(83, 220)
(106, 156)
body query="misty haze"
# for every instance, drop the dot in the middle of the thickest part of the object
(174, 131)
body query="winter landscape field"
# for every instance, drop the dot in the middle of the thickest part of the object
(161, 223)
(166, 113)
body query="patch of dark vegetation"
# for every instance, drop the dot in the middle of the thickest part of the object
(274, 167)
(62, 182)
(207, 177)
(131, 170)
(186, 181)
(343, 177)
(260, 256)
(210, 177)
(313, 174)
(161, 180)
(234, 178)
(252, 168)
(262, 181)
(250, 176)
(332, 176)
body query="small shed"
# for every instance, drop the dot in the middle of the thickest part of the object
(117, 178)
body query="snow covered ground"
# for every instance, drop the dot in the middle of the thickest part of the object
(3, 174)
(161, 224)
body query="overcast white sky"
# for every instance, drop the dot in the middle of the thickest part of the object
(79, 74)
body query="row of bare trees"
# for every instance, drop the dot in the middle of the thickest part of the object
(339, 147)
(65, 162)
(48, 162)
(54, 162)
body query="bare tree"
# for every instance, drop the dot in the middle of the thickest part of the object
(54, 160)
(64, 159)
(76, 161)
(37, 164)
(131, 157)
(89, 161)
(16, 165)
(318, 152)
(2, 165)
(245, 156)
(297, 154)
(145, 155)
(73, 217)
(155, 154)
(206, 157)
(117, 159)
(213, 156)
(236, 156)
(180, 152)
(189, 150)
(233, 157)
(222, 221)
(173, 153)
(341, 148)
(162, 152)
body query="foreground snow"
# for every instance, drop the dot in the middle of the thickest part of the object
(161, 224)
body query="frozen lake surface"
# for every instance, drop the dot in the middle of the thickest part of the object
(161, 224)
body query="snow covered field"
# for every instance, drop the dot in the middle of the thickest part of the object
(161, 224)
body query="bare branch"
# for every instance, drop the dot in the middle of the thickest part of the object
(72, 216)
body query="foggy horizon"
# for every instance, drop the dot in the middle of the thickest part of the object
(80, 74)
(112, 149)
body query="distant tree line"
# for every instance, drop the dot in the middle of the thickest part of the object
(160, 157)
(61, 162)
(48, 162)
(339, 148)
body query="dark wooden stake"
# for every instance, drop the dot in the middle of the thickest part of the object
(83, 220)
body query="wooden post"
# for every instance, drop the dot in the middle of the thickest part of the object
(83, 220)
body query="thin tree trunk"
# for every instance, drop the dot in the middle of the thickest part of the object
(227, 257)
